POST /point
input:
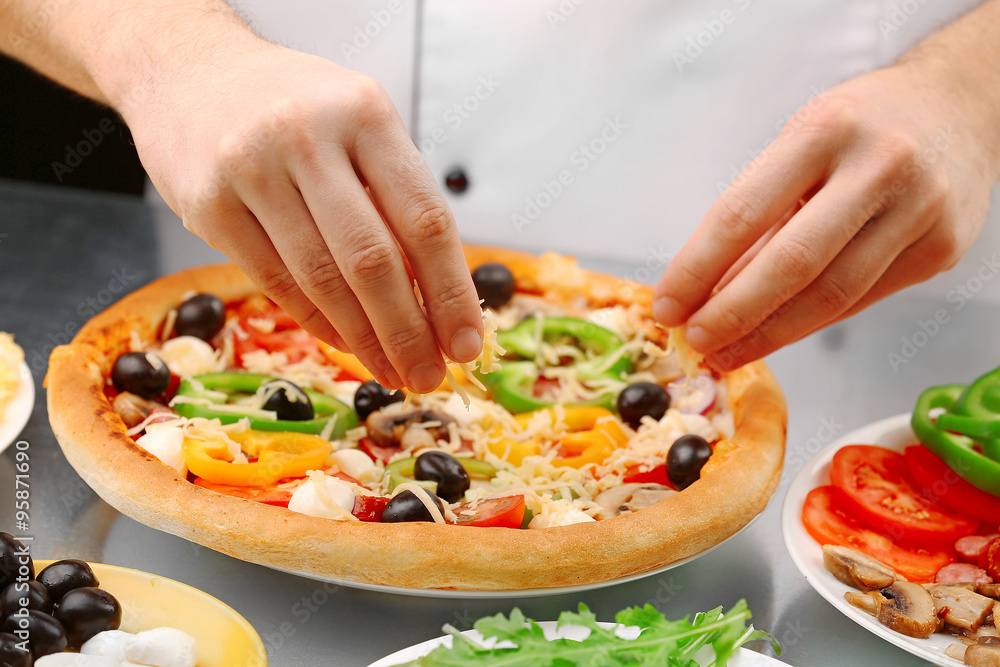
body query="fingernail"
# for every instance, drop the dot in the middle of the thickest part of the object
(700, 340)
(466, 345)
(668, 312)
(425, 378)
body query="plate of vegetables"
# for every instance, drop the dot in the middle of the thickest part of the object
(896, 524)
(642, 635)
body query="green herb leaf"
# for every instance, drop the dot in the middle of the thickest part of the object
(661, 642)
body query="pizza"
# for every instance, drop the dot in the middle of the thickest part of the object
(584, 445)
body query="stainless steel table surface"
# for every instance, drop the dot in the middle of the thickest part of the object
(65, 254)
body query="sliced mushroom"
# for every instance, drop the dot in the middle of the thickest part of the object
(908, 609)
(984, 633)
(131, 408)
(959, 606)
(629, 498)
(866, 602)
(989, 590)
(857, 569)
(386, 426)
(983, 655)
(956, 651)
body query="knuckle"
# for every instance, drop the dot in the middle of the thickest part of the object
(371, 263)
(278, 285)
(322, 279)
(455, 296)
(741, 215)
(733, 320)
(828, 117)
(832, 298)
(405, 339)
(795, 260)
(432, 224)
(368, 103)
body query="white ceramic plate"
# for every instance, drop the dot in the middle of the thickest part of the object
(892, 433)
(743, 658)
(523, 593)
(17, 412)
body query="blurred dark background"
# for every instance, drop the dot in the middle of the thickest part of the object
(52, 135)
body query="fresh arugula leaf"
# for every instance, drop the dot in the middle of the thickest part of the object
(661, 642)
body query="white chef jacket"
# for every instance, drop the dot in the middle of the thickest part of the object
(597, 128)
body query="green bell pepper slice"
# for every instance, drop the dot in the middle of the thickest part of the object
(234, 382)
(511, 385)
(955, 450)
(402, 471)
(982, 400)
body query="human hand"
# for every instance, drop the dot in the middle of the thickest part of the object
(873, 186)
(302, 172)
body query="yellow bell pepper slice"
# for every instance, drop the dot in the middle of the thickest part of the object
(514, 452)
(575, 417)
(279, 454)
(346, 362)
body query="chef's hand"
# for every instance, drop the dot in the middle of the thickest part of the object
(875, 185)
(302, 172)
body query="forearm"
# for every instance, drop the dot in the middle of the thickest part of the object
(115, 51)
(964, 62)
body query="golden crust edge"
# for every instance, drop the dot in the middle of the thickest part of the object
(409, 555)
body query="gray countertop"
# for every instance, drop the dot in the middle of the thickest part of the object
(65, 254)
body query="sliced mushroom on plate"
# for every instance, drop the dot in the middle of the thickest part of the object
(908, 609)
(630, 498)
(857, 569)
(982, 655)
(960, 607)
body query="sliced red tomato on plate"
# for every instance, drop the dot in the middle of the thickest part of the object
(880, 492)
(268, 496)
(657, 475)
(828, 520)
(506, 512)
(369, 508)
(939, 482)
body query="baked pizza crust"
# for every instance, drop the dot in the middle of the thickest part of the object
(735, 485)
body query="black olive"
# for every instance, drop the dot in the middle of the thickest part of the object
(141, 373)
(686, 458)
(443, 468)
(642, 399)
(31, 592)
(202, 316)
(372, 396)
(11, 554)
(46, 634)
(84, 612)
(407, 507)
(61, 577)
(494, 284)
(11, 653)
(288, 400)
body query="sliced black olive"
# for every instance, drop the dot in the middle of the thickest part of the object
(12, 653)
(31, 592)
(494, 284)
(640, 400)
(452, 479)
(84, 612)
(686, 458)
(141, 373)
(202, 316)
(46, 634)
(11, 554)
(372, 396)
(288, 400)
(61, 577)
(407, 507)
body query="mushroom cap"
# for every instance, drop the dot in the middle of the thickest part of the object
(908, 609)
(857, 569)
